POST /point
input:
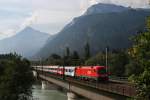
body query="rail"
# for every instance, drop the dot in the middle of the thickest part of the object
(110, 86)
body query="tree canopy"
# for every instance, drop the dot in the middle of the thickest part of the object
(16, 77)
(140, 52)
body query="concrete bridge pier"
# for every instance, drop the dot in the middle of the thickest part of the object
(72, 96)
(43, 85)
(35, 74)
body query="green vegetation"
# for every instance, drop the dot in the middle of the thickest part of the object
(87, 51)
(55, 59)
(99, 59)
(117, 61)
(140, 52)
(118, 64)
(15, 77)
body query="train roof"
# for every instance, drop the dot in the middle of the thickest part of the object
(89, 67)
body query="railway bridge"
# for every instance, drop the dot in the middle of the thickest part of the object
(111, 90)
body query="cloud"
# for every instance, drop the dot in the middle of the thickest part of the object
(92, 2)
(132, 3)
(7, 33)
(29, 21)
(84, 4)
(50, 21)
(18, 14)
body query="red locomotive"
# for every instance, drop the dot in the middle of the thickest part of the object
(92, 73)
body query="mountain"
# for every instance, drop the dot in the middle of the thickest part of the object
(105, 8)
(27, 42)
(104, 28)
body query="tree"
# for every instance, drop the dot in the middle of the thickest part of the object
(16, 78)
(75, 59)
(53, 59)
(55, 56)
(140, 52)
(75, 55)
(66, 58)
(67, 52)
(117, 63)
(87, 51)
(133, 68)
(99, 59)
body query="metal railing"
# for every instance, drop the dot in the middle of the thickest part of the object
(116, 87)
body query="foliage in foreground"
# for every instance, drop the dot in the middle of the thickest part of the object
(16, 78)
(141, 54)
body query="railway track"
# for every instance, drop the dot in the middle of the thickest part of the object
(113, 86)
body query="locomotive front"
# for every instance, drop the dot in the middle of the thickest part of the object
(102, 74)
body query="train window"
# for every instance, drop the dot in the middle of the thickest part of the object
(66, 70)
(70, 70)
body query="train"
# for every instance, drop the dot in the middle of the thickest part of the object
(87, 73)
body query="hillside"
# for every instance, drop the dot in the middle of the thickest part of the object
(107, 29)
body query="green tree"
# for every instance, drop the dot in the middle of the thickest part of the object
(67, 52)
(54, 59)
(117, 63)
(75, 59)
(55, 56)
(75, 55)
(87, 51)
(99, 59)
(133, 68)
(16, 78)
(140, 52)
(67, 58)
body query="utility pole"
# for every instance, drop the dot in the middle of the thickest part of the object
(41, 64)
(106, 51)
(64, 67)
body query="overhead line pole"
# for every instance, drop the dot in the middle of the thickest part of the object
(106, 50)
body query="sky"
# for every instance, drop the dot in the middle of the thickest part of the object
(48, 16)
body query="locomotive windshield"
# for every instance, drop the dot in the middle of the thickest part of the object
(102, 71)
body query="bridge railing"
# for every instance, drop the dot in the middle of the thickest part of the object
(116, 88)
(113, 87)
(121, 79)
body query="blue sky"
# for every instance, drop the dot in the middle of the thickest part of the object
(47, 15)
